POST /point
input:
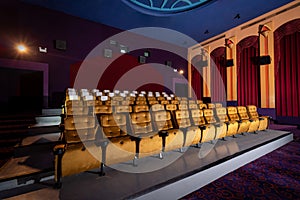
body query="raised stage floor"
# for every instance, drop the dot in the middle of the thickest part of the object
(190, 171)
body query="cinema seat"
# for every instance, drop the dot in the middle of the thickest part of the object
(172, 138)
(219, 127)
(232, 126)
(192, 134)
(75, 158)
(118, 147)
(202, 106)
(79, 129)
(149, 142)
(207, 131)
(263, 120)
(233, 116)
(254, 122)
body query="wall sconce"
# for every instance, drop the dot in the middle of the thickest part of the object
(264, 30)
(21, 48)
(229, 43)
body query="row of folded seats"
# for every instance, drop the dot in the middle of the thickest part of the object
(97, 132)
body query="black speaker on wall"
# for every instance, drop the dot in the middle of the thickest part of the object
(265, 60)
(60, 44)
(229, 63)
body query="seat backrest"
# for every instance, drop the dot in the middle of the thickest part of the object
(199, 101)
(141, 123)
(242, 111)
(118, 98)
(113, 125)
(252, 111)
(232, 113)
(182, 107)
(140, 102)
(222, 114)
(184, 102)
(202, 106)
(197, 117)
(182, 118)
(157, 107)
(218, 105)
(141, 98)
(123, 109)
(209, 116)
(151, 98)
(162, 120)
(127, 102)
(192, 102)
(103, 109)
(153, 102)
(211, 105)
(164, 102)
(171, 107)
(140, 108)
(160, 98)
(79, 122)
(193, 106)
(174, 102)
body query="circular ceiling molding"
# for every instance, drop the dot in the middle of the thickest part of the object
(164, 6)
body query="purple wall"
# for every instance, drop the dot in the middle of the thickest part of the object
(36, 26)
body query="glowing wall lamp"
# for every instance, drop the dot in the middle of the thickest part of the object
(21, 48)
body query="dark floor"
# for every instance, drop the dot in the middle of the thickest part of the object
(90, 186)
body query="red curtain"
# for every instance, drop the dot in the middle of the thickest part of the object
(218, 75)
(197, 79)
(287, 69)
(248, 72)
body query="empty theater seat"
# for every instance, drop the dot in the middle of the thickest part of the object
(198, 120)
(119, 147)
(232, 126)
(233, 116)
(219, 127)
(192, 134)
(254, 123)
(148, 141)
(263, 120)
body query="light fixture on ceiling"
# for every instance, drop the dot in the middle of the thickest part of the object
(206, 32)
(21, 48)
(238, 16)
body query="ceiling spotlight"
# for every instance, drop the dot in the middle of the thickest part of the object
(206, 32)
(237, 16)
(175, 70)
(21, 48)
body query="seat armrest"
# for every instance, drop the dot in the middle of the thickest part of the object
(251, 120)
(217, 124)
(163, 133)
(202, 127)
(59, 149)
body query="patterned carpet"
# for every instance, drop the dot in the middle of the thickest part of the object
(273, 176)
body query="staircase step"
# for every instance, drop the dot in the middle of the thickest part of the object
(17, 121)
(15, 126)
(50, 112)
(31, 145)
